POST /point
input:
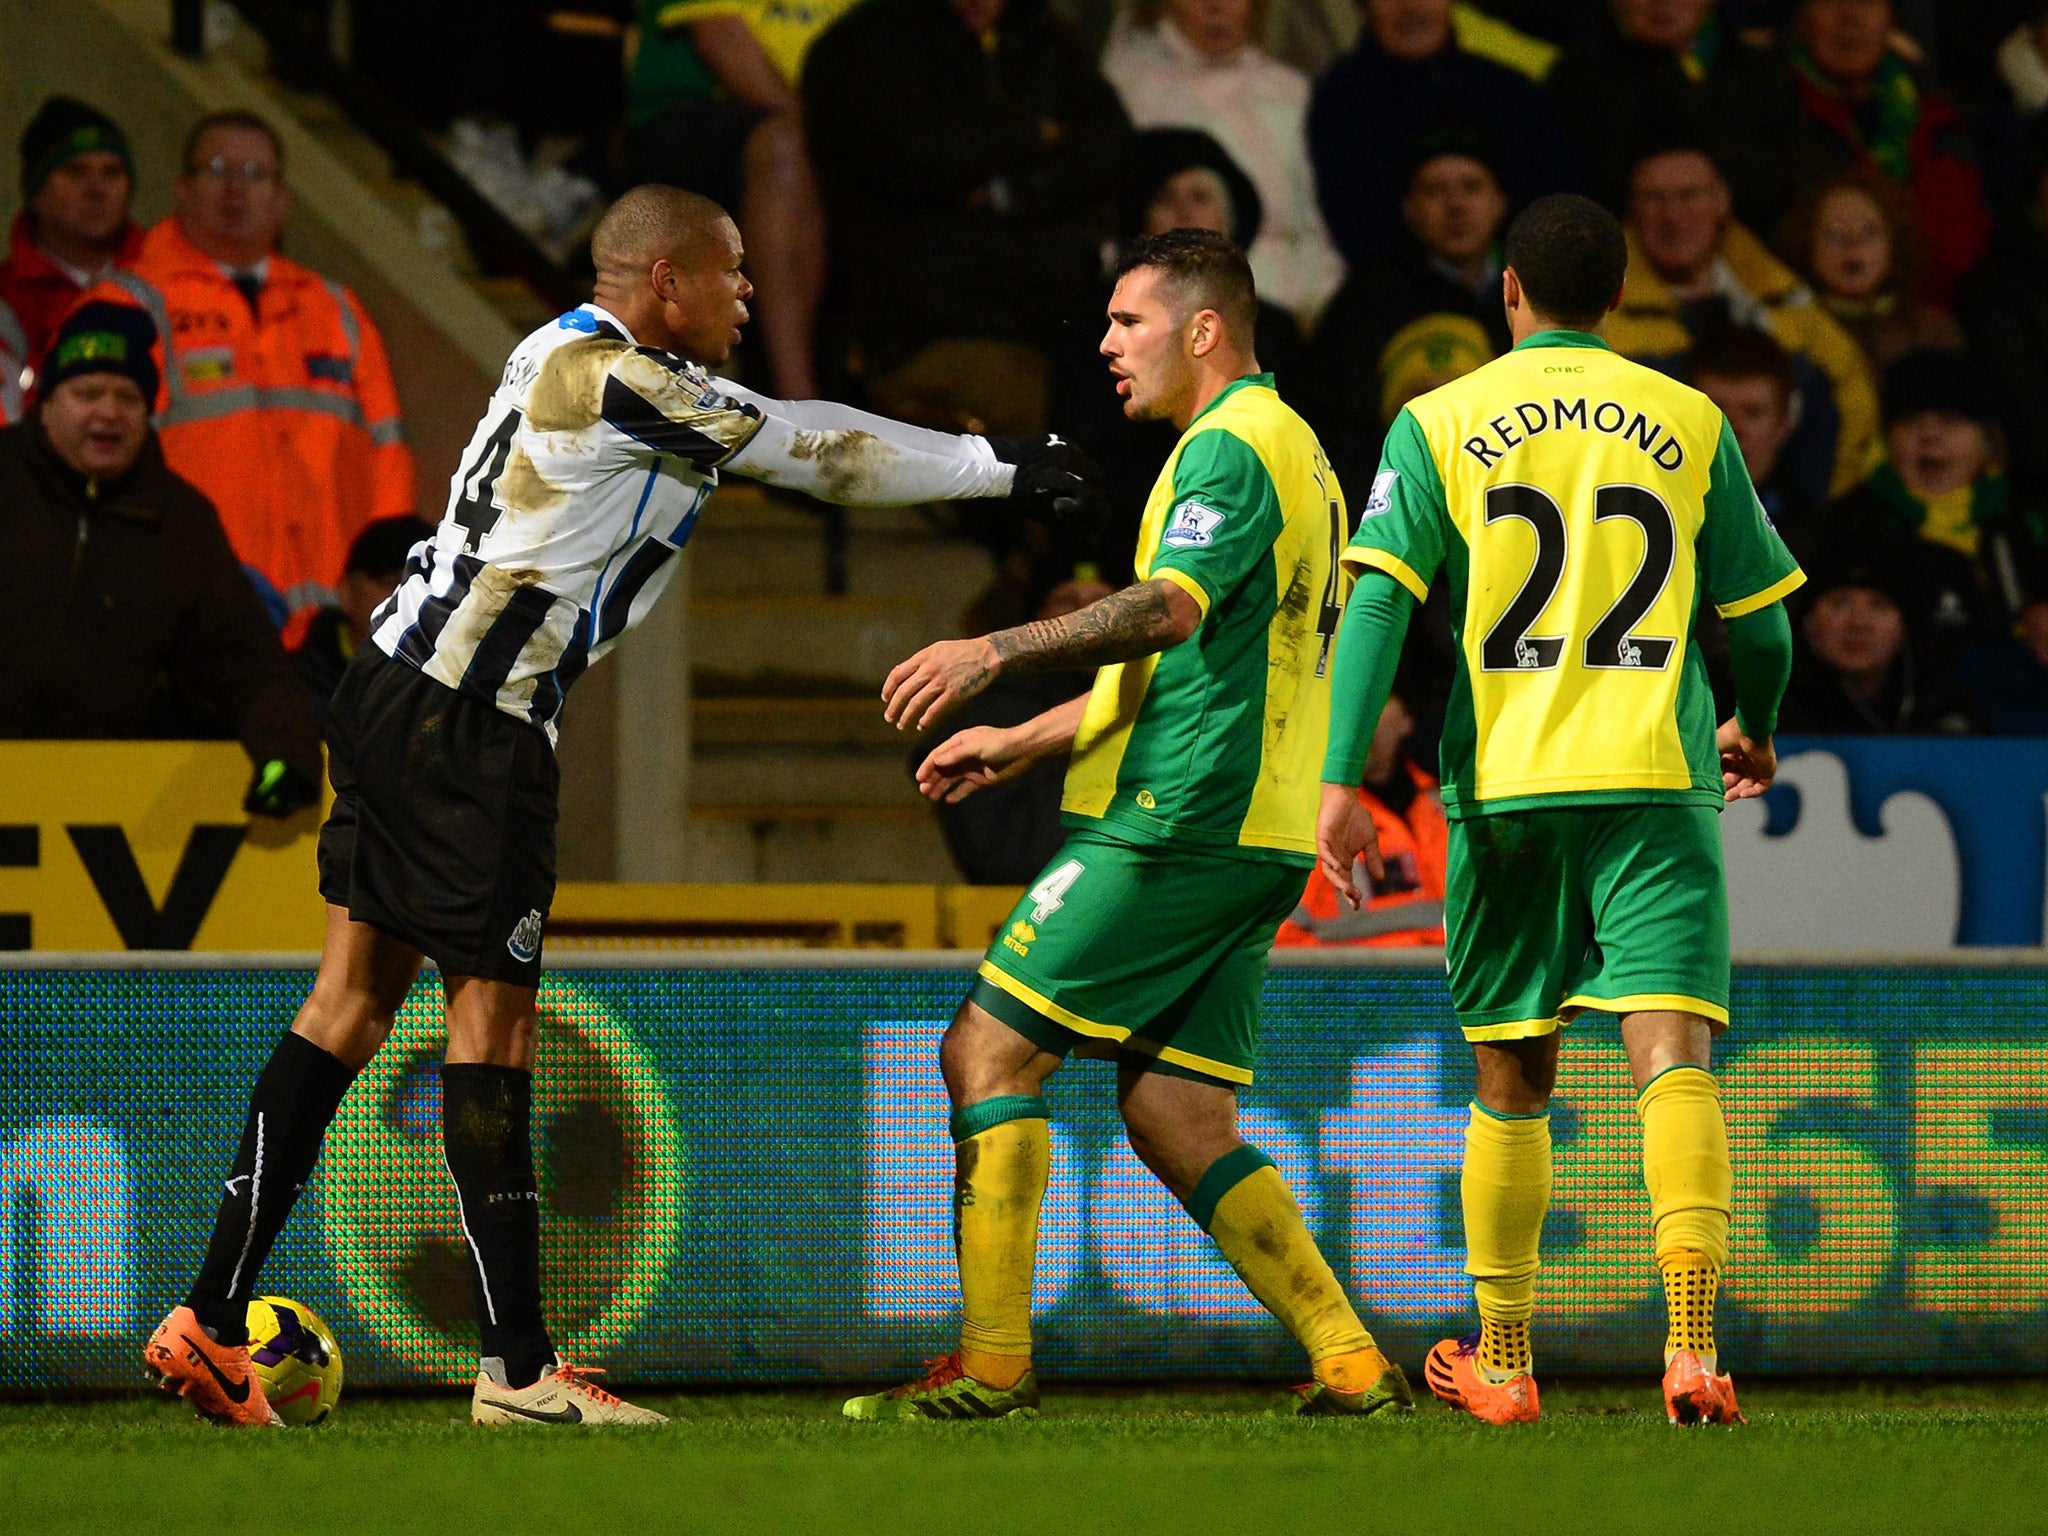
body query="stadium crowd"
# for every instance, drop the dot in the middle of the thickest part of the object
(1837, 209)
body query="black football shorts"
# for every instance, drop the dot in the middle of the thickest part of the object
(443, 828)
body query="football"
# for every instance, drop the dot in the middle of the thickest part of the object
(296, 1359)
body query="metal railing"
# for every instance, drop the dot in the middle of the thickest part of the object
(501, 247)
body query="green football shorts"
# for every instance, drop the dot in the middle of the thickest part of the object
(1621, 908)
(1152, 954)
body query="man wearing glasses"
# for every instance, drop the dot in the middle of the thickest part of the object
(277, 398)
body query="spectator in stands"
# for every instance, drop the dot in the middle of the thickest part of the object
(129, 616)
(76, 180)
(1855, 672)
(1654, 68)
(276, 397)
(1406, 905)
(2007, 678)
(712, 105)
(1867, 106)
(1851, 235)
(375, 567)
(1942, 486)
(2003, 306)
(1751, 378)
(1389, 335)
(968, 151)
(1693, 268)
(1408, 77)
(1193, 64)
(1014, 836)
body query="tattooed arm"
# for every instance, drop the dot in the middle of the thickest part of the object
(1139, 621)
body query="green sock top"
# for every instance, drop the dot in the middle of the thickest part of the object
(971, 1120)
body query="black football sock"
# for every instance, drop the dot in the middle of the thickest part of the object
(295, 1096)
(486, 1115)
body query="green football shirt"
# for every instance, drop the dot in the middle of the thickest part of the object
(1219, 740)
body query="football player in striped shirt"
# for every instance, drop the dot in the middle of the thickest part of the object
(586, 475)
(1190, 807)
(1582, 510)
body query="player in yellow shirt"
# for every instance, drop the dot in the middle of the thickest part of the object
(1190, 807)
(1581, 509)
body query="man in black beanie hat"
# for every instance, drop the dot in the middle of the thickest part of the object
(77, 177)
(1863, 665)
(1444, 263)
(1942, 487)
(128, 615)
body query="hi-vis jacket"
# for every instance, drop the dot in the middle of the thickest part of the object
(285, 417)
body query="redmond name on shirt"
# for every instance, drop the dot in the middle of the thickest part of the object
(1532, 418)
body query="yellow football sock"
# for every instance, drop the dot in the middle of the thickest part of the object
(1685, 1163)
(1002, 1156)
(1504, 1348)
(1692, 1187)
(1247, 1207)
(1689, 1286)
(1506, 1191)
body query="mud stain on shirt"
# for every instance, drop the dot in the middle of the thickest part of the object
(523, 488)
(852, 465)
(568, 395)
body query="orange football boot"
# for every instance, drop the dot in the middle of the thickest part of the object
(1695, 1395)
(1452, 1371)
(216, 1379)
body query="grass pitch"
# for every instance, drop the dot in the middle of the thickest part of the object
(1962, 1457)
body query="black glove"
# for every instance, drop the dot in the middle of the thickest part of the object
(1055, 477)
(278, 789)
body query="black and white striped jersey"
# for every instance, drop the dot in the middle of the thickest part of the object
(587, 474)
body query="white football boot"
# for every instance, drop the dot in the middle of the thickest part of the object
(562, 1395)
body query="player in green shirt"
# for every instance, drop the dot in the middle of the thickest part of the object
(1582, 510)
(1191, 806)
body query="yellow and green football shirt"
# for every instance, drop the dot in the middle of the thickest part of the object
(1219, 740)
(1581, 508)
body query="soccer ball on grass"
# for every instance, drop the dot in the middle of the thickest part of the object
(295, 1358)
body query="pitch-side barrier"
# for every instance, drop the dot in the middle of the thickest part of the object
(745, 1172)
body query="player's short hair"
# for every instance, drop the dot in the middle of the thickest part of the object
(1742, 352)
(651, 221)
(1570, 255)
(1206, 271)
(231, 117)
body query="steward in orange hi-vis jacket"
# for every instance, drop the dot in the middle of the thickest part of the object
(279, 406)
(1406, 907)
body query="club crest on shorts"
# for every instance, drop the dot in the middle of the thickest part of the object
(525, 941)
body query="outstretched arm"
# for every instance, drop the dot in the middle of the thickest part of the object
(874, 463)
(856, 458)
(1139, 621)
